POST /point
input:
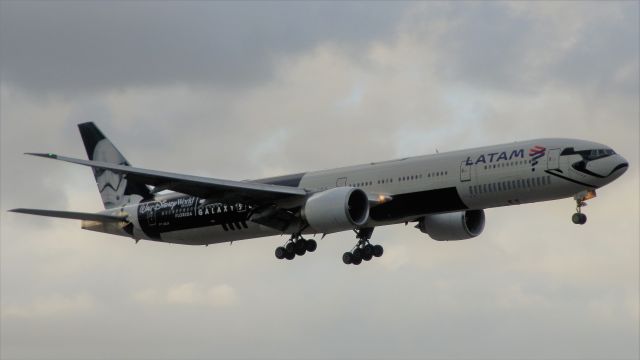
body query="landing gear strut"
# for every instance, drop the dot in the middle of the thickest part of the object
(363, 250)
(296, 245)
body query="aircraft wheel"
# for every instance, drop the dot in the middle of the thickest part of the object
(583, 219)
(290, 247)
(378, 250)
(312, 245)
(301, 251)
(290, 255)
(300, 244)
(347, 258)
(356, 260)
(579, 218)
(367, 252)
(280, 252)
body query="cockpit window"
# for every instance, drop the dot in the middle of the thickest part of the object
(588, 155)
(598, 153)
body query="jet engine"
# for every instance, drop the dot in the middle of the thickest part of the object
(460, 225)
(336, 209)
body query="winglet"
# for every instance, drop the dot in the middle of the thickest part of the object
(72, 215)
(47, 155)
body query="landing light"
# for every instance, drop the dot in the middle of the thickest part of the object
(383, 199)
(590, 195)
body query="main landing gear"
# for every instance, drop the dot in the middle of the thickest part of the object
(363, 250)
(296, 245)
(579, 218)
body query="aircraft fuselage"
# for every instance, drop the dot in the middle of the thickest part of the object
(480, 178)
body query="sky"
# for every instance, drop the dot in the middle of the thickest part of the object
(255, 89)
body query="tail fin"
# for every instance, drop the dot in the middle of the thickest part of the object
(115, 189)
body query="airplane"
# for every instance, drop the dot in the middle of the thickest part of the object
(445, 194)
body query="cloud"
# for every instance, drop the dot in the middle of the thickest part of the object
(428, 76)
(519, 47)
(394, 257)
(54, 305)
(76, 48)
(189, 294)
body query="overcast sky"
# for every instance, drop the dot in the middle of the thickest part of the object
(247, 90)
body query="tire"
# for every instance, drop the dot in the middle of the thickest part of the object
(367, 254)
(378, 250)
(290, 247)
(576, 218)
(356, 260)
(583, 219)
(300, 244)
(347, 258)
(312, 245)
(301, 252)
(280, 252)
(290, 255)
(357, 253)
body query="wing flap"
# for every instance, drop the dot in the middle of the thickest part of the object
(71, 215)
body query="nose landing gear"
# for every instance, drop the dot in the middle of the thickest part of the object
(579, 218)
(363, 250)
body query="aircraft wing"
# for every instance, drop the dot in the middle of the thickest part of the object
(202, 187)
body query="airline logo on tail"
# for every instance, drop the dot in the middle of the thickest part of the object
(115, 189)
(536, 153)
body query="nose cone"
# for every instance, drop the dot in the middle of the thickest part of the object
(620, 167)
(623, 166)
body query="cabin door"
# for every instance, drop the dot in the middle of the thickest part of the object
(553, 159)
(465, 171)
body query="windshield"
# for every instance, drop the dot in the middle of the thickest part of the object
(589, 154)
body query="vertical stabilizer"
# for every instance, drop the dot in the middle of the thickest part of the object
(115, 189)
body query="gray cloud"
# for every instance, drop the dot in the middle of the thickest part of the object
(77, 47)
(522, 46)
(533, 285)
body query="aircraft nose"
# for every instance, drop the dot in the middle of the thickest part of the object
(622, 166)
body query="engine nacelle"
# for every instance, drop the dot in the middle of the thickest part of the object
(460, 225)
(337, 209)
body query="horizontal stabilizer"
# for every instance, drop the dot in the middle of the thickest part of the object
(71, 215)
